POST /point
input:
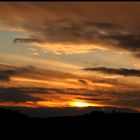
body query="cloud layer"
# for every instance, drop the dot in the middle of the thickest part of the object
(32, 87)
(70, 36)
(70, 28)
(121, 71)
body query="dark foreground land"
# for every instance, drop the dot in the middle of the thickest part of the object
(96, 120)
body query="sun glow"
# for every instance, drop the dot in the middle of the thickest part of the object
(81, 104)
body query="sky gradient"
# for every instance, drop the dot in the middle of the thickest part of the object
(70, 54)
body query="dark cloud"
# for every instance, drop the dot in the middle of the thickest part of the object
(23, 94)
(131, 103)
(128, 94)
(16, 95)
(83, 81)
(6, 74)
(106, 80)
(4, 77)
(117, 98)
(69, 31)
(69, 91)
(121, 71)
(102, 25)
(130, 42)
(96, 99)
(25, 40)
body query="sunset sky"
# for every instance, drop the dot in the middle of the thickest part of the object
(70, 54)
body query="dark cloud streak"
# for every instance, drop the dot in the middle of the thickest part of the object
(121, 71)
(16, 95)
(6, 74)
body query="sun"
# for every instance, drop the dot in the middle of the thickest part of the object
(80, 104)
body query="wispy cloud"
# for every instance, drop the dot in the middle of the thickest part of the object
(121, 71)
(44, 63)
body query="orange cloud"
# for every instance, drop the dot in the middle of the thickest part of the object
(51, 30)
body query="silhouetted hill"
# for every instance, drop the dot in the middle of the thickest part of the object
(66, 111)
(11, 114)
(99, 120)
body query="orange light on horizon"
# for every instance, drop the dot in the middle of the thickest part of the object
(82, 104)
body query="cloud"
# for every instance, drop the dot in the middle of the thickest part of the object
(6, 74)
(67, 36)
(66, 91)
(16, 95)
(83, 81)
(75, 27)
(90, 89)
(33, 73)
(130, 99)
(130, 103)
(95, 99)
(25, 40)
(130, 42)
(4, 77)
(120, 71)
(102, 25)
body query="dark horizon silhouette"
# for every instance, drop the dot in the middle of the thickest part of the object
(97, 120)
